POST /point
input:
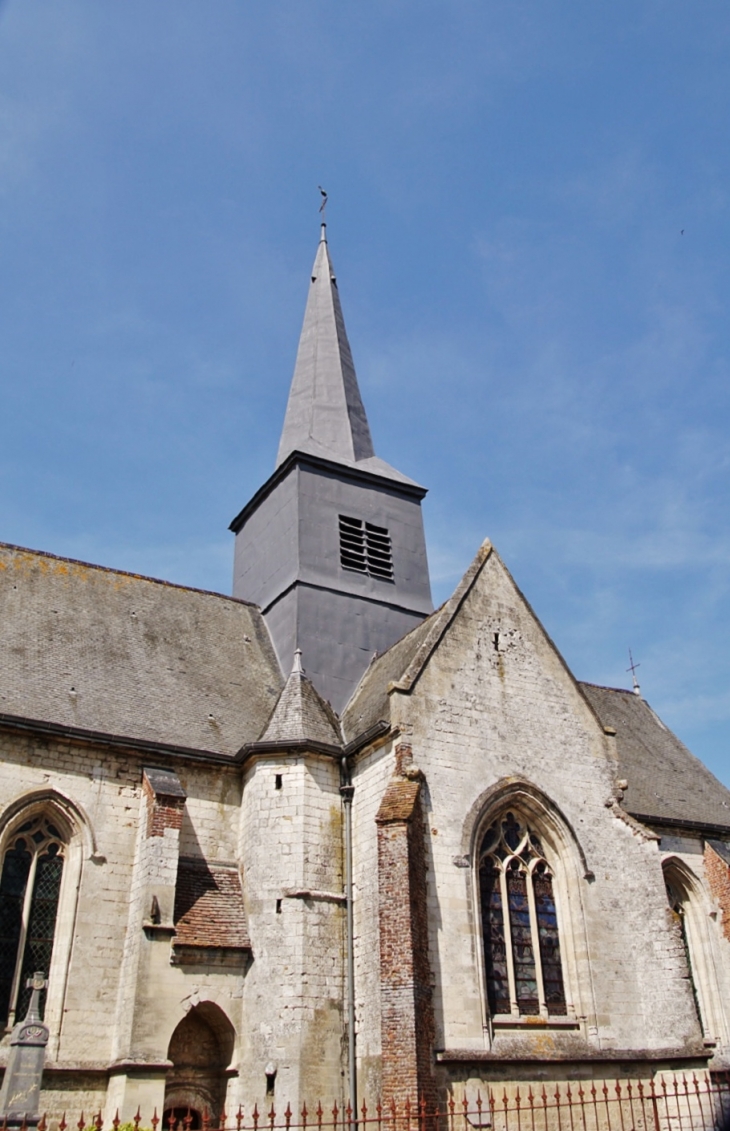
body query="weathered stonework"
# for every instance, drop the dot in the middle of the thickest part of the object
(201, 945)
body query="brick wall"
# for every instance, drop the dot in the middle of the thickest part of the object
(718, 878)
(407, 1028)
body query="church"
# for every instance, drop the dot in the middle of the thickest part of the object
(317, 840)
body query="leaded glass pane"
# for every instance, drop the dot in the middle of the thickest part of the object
(511, 831)
(547, 929)
(523, 955)
(12, 891)
(42, 923)
(495, 950)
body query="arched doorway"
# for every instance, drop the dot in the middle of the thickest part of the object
(200, 1049)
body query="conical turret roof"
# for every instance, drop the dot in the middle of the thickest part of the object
(302, 713)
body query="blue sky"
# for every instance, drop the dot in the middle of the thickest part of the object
(536, 340)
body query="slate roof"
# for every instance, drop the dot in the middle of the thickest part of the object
(370, 703)
(302, 713)
(209, 909)
(665, 779)
(404, 661)
(99, 650)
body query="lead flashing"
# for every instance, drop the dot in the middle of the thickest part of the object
(341, 470)
(304, 745)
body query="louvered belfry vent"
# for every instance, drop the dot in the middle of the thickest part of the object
(365, 548)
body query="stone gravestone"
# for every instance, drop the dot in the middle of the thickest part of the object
(20, 1093)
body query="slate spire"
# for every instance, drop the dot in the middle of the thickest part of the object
(325, 414)
(331, 548)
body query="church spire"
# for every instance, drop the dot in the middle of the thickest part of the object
(325, 414)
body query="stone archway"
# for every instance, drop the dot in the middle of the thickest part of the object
(200, 1049)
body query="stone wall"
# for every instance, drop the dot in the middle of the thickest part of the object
(291, 848)
(371, 774)
(113, 994)
(496, 715)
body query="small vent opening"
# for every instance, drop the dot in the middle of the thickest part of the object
(365, 548)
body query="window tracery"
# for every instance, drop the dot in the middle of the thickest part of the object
(523, 966)
(30, 885)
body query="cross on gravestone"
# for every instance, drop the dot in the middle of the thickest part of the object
(20, 1093)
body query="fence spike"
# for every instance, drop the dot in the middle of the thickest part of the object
(137, 1118)
(115, 1120)
(155, 1119)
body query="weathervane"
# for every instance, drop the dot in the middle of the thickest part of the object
(323, 205)
(632, 668)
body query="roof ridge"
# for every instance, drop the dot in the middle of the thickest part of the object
(605, 687)
(443, 618)
(126, 573)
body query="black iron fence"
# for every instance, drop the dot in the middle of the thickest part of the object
(667, 1103)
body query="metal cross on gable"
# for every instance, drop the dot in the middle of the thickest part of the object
(632, 668)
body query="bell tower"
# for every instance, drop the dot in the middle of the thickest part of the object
(332, 546)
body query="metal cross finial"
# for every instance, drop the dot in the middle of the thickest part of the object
(632, 668)
(37, 984)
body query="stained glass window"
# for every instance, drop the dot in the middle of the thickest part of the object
(523, 968)
(30, 884)
(495, 952)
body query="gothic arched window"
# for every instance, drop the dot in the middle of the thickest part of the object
(523, 968)
(30, 884)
